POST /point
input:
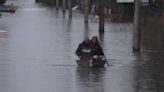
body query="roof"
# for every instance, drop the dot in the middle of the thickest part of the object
(125, 1)
(131, 1)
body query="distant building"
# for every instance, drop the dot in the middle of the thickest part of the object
(132, 1)
(143, 2)
(123, 10)
(125, 1)
(2, 1)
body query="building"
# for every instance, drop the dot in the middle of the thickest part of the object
(2, 1)
(143, 2)
(123, 10)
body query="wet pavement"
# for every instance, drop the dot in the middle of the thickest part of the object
(37, 55)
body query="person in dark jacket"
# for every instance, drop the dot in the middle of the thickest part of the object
(96, 48)
(84, 49)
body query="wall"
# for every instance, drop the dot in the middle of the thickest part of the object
(151, 28)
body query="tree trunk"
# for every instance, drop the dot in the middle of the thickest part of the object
(70, 8)
(136, 31)
(86, 11)
(163, 28)
(101, 16)
(64, 7)
(57, 4)
(151, 2)
(162, 19)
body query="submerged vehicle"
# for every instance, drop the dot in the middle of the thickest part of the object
(2, 2)
(91, 63)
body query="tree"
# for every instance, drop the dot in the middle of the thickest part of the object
(136, 31)
(101, 16)
(86, 11)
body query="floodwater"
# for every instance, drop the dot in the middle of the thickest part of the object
(37, 55)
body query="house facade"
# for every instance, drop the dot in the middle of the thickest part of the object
(123, 10)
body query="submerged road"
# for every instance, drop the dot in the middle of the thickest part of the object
(37, 54)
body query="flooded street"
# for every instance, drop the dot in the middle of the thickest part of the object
(38, 54)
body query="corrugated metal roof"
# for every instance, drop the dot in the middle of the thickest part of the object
(130, 1)
(125, 1)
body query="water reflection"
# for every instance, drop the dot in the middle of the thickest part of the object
(86, 29)
(90, 80)
(149, 72)
(57, 13)
(69, 25)
(101, 38)
(163, 39)
(4, 66)
(3, 34)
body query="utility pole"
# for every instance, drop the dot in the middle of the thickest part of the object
(57, 4)
(101, 16)
(64, 7)
(70, 8)
(86, 11)
(136, 30)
